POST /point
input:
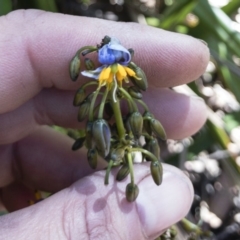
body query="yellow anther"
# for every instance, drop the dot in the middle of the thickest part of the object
(122, 71)
(129, 71)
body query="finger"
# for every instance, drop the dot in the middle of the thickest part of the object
(178, 113)
(95, 211)
(45, 161)
(37, 47)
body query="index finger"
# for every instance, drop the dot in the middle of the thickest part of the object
(36, 48)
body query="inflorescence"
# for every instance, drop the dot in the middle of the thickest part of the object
(108, 133)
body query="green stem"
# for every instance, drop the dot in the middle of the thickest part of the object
(91, 111)
(100, 113)
(143, 104)
(127, 95)
(149, 154)
(110, 164)
(117, 115)
(93, 82)
(92, 48)
(130, 165)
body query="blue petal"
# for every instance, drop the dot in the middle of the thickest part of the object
(106, 55)
(93, 74)
(114, 52)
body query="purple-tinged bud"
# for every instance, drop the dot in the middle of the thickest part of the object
(101, 134)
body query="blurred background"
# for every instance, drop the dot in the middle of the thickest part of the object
(211, 158)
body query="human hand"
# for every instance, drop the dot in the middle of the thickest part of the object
(35, 90)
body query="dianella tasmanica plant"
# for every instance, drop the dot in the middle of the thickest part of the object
(109, 133)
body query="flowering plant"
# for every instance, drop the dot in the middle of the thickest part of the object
(108, 133)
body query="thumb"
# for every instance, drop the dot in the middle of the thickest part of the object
(90, 210)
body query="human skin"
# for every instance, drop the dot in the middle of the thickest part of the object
(36, 91)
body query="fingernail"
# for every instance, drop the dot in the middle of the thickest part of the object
(161, 206)
(202, 41)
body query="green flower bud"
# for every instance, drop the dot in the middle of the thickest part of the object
(146, 122)
(123, 172)
(92, 158)
(79, 97)
(89, 64)
(153, 147)
(83, 110)
(134, 92)
(158, 129)
(74, 68)
(156, 172)
(142, 82)
(78, 143)
(88, 141)
(132, 192)
(102, 136)
(135, 123)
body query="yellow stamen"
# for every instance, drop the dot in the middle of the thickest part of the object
(129, 71)
(104, 75)
(119, 76)
(122, 71)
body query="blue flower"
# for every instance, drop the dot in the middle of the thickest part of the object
(114, 52)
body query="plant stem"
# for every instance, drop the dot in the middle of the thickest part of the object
(130, 165)
(127, 95)
(110, 164)
(91, 112)
(117, 115)
(149, 154)
(100, 113)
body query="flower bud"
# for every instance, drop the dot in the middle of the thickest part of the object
(88, 141)
(142, 82)
(78, 143)
(74, 68)
(135, 123)
(146, 122)
(156, 172)
(153, 147)
(102, 136)
(92, 158)
(123, 172)
(158, 129)
(132, 192)
(79, 97)
(89, 64)
(134, 92)
(83, 110)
